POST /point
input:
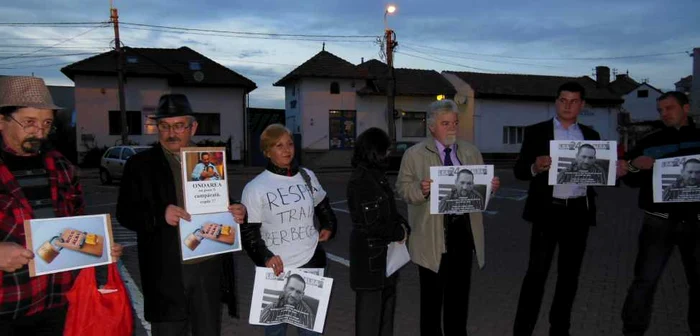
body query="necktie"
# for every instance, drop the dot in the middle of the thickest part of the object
(448, 159)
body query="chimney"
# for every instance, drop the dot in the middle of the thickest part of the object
(362, 60)
(695, 86)
(602, 76)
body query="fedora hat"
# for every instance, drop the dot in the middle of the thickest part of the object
(25, 91)
(173, 105)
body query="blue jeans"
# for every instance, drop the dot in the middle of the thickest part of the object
(281, 330)
(657, 239)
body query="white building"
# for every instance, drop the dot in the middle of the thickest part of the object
(330, 101)
(216, 93)
(497, 107)
(640, 98)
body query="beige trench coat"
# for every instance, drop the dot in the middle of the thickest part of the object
(427, 241)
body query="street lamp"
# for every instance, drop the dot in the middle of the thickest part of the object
(390, 38)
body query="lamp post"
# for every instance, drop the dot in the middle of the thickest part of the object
(391, 43)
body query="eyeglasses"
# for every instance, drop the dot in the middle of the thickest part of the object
(32, 127)
(177, 128)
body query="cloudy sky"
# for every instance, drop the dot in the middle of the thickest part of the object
(647, 38)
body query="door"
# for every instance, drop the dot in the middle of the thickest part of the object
(341, 131)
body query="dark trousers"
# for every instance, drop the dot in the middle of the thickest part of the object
(47, 323)
(203, 290)
(374, 312)
(656, 241)
(569, 230)
(444, 296)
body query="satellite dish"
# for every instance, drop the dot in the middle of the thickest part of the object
(198, 76)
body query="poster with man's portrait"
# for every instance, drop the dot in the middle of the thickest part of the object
(583, 162)
(204, 179)
(294, 297)
(460, 189)
(677, 179)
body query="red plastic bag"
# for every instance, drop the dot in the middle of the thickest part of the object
(91, 312)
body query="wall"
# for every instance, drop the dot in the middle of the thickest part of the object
(95, 96)
(641, 109)
(315, 102)
(371, 112)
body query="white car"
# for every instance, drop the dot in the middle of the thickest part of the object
(113, 160)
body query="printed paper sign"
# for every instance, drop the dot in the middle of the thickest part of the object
(460, 189)
(204, 179)
(583, 162)
(295, 297)
(68, 243)
(677, 179)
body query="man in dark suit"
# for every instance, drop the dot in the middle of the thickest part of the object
(560, 215)
(179, 297)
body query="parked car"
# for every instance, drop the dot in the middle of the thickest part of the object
(396, 154)
(113, 160)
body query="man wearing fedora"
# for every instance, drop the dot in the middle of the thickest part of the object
(36, 181)
(179, 296)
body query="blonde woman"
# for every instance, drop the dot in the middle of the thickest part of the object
(281, 202)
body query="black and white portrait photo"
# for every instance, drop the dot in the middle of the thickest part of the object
(460, 189)
(677, 179)
(583, 162)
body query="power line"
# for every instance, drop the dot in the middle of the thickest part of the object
(53, 45)
(248, 37)
(35, 66)
(52, 24)
(481, 60)
(434, 59)
(555, 58)
(34, 58)
(247, 33)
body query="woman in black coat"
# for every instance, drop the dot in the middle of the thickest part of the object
(376, 223)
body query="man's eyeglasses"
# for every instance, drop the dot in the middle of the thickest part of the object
(31, 126)
(177, 128)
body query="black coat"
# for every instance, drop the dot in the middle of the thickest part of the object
(147, 188)
(376, 223)
(539, 196)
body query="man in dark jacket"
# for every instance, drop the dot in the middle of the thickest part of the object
(178, 296)
(665, 224)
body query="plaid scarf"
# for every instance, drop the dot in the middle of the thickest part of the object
(21, 295)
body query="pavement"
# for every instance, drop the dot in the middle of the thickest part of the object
(605, 276)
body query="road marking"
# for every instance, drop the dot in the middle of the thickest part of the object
(136, 297)
(341, 210)
(338, 259)
(338, 202)
(100, 205)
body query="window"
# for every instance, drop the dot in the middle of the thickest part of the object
(127, 153)
(209, 124)
(513, 135)
(132, 59)
(335, 88)
(413, 125)
(133, 122)
(642, 93)
(114, 153)
(195, 66)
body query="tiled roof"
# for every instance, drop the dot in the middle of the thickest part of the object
(623, 84)
(532, 87)
(322, 65)
(182, 67)
(409, 82)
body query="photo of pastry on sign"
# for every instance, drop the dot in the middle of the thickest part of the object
(67, 243)
(209, 234)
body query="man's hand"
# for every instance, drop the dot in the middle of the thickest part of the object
(324, 235)
(643, 162)
(425, 186)
(117, 250)
(405, 235)
(13, 257)
(173, 213)
(542, 163)
(238, 211)
(622, 168)
(276, 264)
(495, 184)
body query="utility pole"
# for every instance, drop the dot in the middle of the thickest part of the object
(114, 18)
(391, 83)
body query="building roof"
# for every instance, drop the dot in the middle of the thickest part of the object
(322, 65)
(685, 82)
(624, 84)
(182, 67)
(532, 87)
(409, 82)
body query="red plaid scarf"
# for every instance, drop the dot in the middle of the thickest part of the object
(21, 295)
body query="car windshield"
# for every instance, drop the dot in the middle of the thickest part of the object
(140, 149)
